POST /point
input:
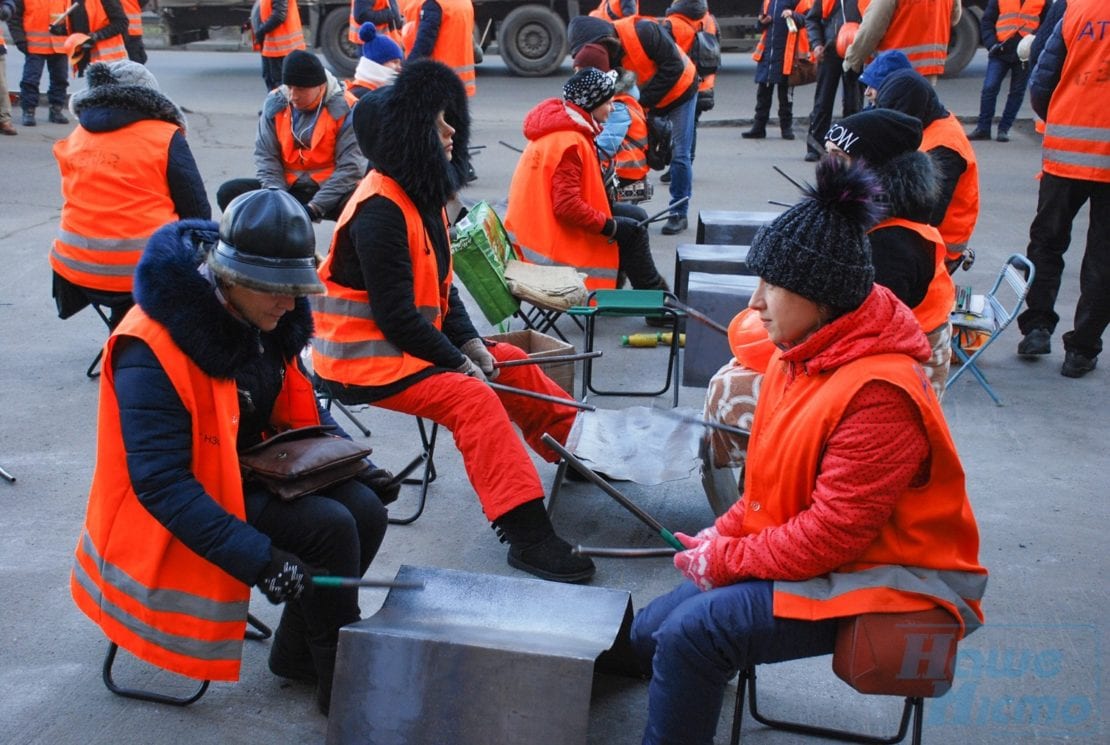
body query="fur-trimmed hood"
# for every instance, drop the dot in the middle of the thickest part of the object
(109, 107)
(171, 290)
(396, 130)
(910, 186)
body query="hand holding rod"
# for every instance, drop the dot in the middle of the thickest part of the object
(552, 360)
(541, 396)
(606, 487)
(660, 215)
(621, 553)
(333, 582)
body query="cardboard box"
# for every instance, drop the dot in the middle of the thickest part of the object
(538, 346)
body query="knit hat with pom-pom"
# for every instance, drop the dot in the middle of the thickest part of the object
(378, 47)
(818, 248)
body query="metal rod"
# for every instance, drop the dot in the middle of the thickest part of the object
(787, 177)
(661, 214)
(697, 315)
(606, 487)
(333, 582)
(7, 476)
(622, 553)
(552, 360)
(705, 422)
(779, 204)
(511, 147)
(541, 396)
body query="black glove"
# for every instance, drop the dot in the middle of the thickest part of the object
(5, 13)
(626, 231)
(381, 481)
(59, 29)
(285, 578)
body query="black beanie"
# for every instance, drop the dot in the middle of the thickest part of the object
(303, 69)
(584, 30)
(876, 135)
(818, 248)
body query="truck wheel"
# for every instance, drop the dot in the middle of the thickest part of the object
(963, 42)
(340, 53)
(532, 40)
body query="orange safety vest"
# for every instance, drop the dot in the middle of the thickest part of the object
(37, 17)
(637, 60)
(105, 50)
(933, 311)
(921, 30)
(610, 10)
(316, 161)
(349, 88)
(927, 552)
(1077, 132)
(631, 157)
(134, 17)
(349, 347)
(530, 220)
(963, 211)
(149, 592)
(114, 196)
(683, 29)
(383, 28)
(797, 42)
(288, 36)
(1017, 17)
(455, 42)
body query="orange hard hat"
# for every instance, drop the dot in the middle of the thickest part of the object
(844, 38)
(73, 46)
(749, 341)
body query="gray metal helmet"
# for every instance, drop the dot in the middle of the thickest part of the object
(267, 244)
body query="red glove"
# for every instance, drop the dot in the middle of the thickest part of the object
(694, 563)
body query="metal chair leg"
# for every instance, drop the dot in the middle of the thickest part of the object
(141, 695)
(428, 441)
(259, 631)
(556, 485)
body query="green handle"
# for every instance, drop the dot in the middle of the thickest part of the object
(668, 536)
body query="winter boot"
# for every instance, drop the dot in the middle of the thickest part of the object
(323, 658)
(786, 120)
(758, 130)
(763, 95)
(289, 653)
(29, 118)
(56, 115)
(535, 548)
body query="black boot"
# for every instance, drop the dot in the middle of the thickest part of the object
(535, 548)
(786, 116)
(28, 118)
(763, 95)
(56, 116)
(323, 657)
(289, 653)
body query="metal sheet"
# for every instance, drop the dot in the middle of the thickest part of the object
(474, 659)
(637, 444)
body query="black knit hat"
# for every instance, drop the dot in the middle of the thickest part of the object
(876, 135)
(589, 88)
(303, 69)
(818, 248)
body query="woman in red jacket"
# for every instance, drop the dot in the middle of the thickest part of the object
(851, 477)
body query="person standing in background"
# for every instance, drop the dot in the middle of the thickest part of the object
(784, 38)
(30, 25)
(920, 28)
(823, 23)
(7, 7)
(133, 39)
(276, 25)
(444, 31)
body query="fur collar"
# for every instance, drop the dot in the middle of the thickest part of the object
(171, 290)
(139, 101)
(910, 186)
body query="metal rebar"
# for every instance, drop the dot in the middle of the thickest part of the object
(622, 553)
(541, 396)
(333, 582)
(552, 360)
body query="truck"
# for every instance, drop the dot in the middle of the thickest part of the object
(531, 37)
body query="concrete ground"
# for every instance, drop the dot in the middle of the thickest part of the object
(1035, 673)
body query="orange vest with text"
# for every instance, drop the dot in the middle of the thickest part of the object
(530, 220)
(455, 43)
(105, 50)
(318, 159)
(637, 60)
(1077, 131)
(933, 311)
(932, 530)
(149, 592)
(288, 36)
(349, 348)
(37, 17)
(383, 29)
(1017, 17)
(963, 211)
(114, 196)
(921, 29)
(631, 158)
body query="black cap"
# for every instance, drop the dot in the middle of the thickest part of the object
(303, 69)
(876, 135)
(267, 244)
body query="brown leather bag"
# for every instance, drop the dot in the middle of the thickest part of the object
(804, 72)
(302, 461)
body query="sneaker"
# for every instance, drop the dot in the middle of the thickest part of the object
(675, 224)
(1003, 136)
(666, 177)
(28, 118)
(979, 134)
(812, 157)
(1036, 343)
(1077, 365)
(551, 559)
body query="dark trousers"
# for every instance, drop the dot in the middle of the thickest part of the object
(230, 189)
(636, 262)
(57, 67)
(339, 531)
(992, 83)
(271, 71)
(763, 93)
(1058, 202)
(136, 51)
(830, 73)
(694, 642)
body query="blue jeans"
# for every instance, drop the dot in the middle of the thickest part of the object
(697, 641)
(683, 119)
(58, 68)
(996, 71)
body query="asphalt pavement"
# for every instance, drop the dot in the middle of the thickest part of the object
(1035, 673)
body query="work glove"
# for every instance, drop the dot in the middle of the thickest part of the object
(59, 29)
(626, 232)
(966, 259)
(381, 481)
(285, 578)
(469, 368)
(694, 562)
(477, 351)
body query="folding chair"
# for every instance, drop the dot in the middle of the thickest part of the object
(117, 303)
(1000, 307)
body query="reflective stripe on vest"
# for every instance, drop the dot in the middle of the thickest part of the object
(963, 211)
(317, 161)
(105, 50)
(921, 31)
(1082, 152)
(1016, 17)
(598, 277)
(288, 36)
(637, 60)
(349, 347)
(134, 17)
(935, 308)
(114, 196)
(38, 15)
(454, 45)
(631, 158)
(382, 28)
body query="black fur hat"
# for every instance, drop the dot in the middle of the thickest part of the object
(396, 129)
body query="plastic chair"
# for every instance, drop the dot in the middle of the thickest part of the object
(1001, 306)
(626, 303)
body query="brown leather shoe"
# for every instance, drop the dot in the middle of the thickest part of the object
(7, 128)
